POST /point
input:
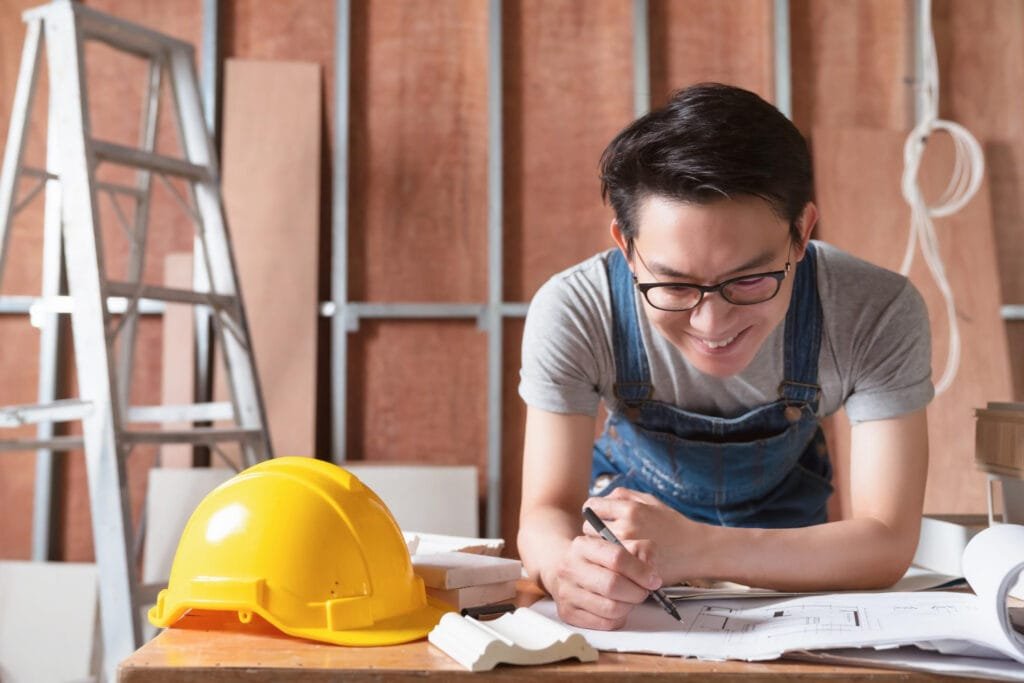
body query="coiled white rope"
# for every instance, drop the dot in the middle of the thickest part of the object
(968, 170)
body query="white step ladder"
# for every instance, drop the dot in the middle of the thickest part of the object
(104, 343)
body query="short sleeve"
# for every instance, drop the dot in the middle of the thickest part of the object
(892, 361)
(564, 346)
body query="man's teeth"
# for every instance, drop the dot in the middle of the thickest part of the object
(718, 344)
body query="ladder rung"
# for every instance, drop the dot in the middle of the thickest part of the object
(195, 412)
(157, 293)
(58, 411)
(39, 173)
(203, 435)
(158, 163)
(57, 443)
(121, 189)
(40, 305)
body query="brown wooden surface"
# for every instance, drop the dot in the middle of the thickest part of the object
(217, 647)
(271, 186)
(851, 62)
(693, 41)
(864, 213)
(177, 387)
(981, 67)
(568, 75)
(416, 393)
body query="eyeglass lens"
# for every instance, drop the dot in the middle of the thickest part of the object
(742, 292)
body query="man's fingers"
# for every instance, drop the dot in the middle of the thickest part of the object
(571, 614)
(612, 570)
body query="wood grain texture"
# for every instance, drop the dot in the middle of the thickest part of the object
(418, 207)
(851, 63)
(271, 186)
(177, 386)
(864, 214)
(981, 68)
(417, 393)
(513, 434)
(568, 75)
(209, 647)
(693, 41)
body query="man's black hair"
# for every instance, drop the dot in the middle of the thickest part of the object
(711, 141)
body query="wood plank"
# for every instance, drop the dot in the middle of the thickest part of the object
(693, 41)
(271, 185)
(568, 101)
(864, 213)
(851, 62)
(981, 68)
(418, 189)
(178, 355)
(513, 435)
(416, 393)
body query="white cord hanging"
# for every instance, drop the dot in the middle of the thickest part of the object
(968, 170)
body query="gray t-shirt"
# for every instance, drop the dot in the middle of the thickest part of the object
(875, 356)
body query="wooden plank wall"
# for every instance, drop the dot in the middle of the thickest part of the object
(418, 166)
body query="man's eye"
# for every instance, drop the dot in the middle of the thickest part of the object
(750, 282)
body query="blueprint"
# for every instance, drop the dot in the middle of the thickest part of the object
(959, 623)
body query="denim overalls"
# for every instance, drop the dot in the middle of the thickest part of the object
(767, 468)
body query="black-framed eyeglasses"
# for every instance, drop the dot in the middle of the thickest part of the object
(745, 290)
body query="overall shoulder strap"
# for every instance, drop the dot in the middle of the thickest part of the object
(803, 334)
(632, 372)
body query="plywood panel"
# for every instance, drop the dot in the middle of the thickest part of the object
(177, 386)
(851, 63)
(418, 187)
(417, 393)
(981, 69)
(693, 41)
(271, 186)
(1015, 339)
(864, 213)
(568, 74)
(513, 430)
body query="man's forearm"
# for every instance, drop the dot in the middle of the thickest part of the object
(544, 537)
(858, 554)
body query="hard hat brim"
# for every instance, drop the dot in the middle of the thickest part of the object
(404, 628)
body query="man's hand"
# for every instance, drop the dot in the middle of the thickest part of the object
(652, 530)
(598, 583)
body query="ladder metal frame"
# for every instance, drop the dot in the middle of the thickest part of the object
(104, 346)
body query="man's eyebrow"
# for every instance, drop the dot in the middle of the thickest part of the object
(758, 261)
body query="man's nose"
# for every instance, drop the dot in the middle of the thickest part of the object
(710, 314)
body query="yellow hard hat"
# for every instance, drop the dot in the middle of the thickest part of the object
(305, 545)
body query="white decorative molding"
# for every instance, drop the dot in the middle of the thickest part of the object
(522, 637)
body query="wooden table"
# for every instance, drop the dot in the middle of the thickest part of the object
(219, 648)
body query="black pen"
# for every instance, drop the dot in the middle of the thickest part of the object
(607, 535)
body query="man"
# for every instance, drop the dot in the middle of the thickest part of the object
(718, 335)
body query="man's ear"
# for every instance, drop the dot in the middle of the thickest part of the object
(805, 224)
(621, 241)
